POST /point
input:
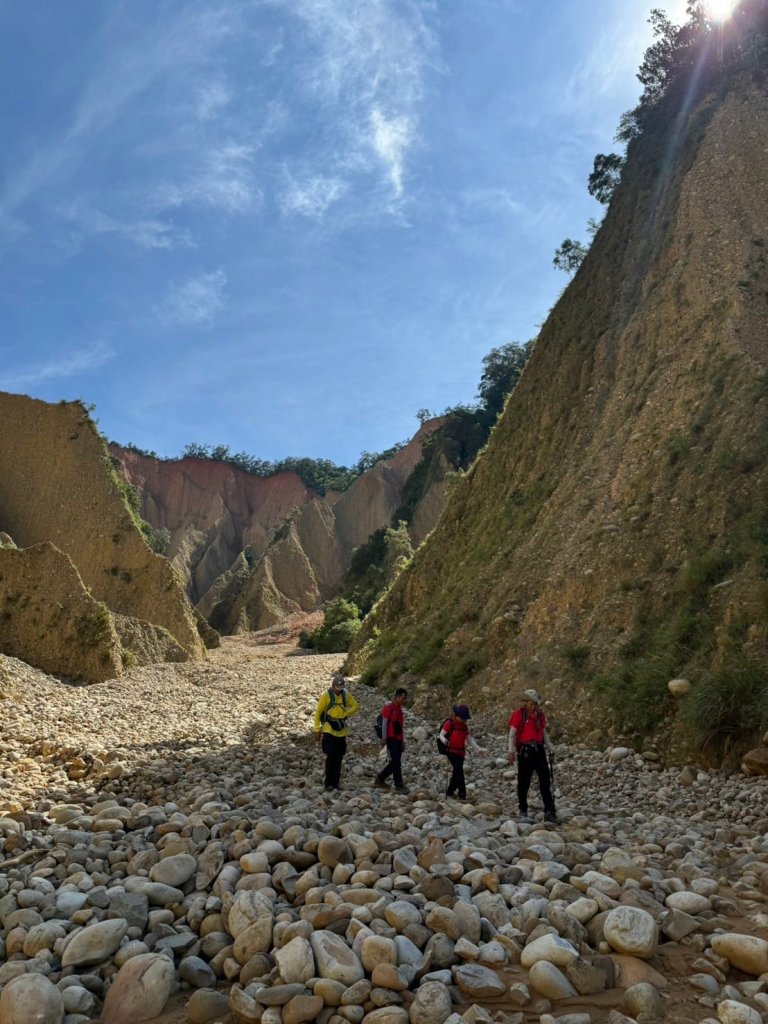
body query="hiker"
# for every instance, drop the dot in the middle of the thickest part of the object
(330, 724)
(393, 738)
(529, 742)
(455, 734)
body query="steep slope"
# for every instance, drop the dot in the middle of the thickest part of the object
(61, 502)
(615, 533)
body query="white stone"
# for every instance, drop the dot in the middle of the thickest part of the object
(295, 960)
(551, 948)
(631, 930)
(550, 981)
(679, 687)
(335, 959)
(732, 1012)
(175, 870)
(688, 902)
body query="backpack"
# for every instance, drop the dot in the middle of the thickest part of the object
(379, 723)
(335, 723)
(442, 748)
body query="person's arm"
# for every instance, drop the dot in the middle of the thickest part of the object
(512, 744)
(352, 706)
(473, 745)
(547, 741)
(322, 706)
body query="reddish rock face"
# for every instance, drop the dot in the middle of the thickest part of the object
(269, 547)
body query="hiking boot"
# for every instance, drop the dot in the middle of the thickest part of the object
(380, 783)
(401, 789)
(552, 817)
(524, 816)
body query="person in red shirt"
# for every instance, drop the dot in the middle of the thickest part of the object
(529, 744)
(456, 736)
(393, 737)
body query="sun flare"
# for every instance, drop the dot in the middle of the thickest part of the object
(720, 10)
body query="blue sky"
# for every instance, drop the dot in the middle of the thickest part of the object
(287, 225)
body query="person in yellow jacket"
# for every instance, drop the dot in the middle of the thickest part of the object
(333, 709)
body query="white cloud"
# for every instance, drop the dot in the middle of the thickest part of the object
(312, 196)
(365, 73)
(147, 232)
(223, 179)
(67, 364)
(391, 140)
(212, 98)
(195, 301)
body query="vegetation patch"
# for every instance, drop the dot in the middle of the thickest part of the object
(727, 710)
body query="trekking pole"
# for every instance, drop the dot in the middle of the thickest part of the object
(551, 757)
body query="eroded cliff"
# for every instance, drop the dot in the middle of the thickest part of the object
(62, 503)
(614, 533)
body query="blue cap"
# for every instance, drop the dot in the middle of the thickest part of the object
(461, 710)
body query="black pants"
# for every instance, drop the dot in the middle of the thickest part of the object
(532, 757)
(334, 748)
(394, 765)
(456, 784)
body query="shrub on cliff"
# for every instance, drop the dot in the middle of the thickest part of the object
(340, 626)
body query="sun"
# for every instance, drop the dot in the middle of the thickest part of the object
(720, 10)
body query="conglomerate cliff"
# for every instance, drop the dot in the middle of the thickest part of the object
(614, 533)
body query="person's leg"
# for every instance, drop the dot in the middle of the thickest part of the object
(395, 748)
(457, 776)
(334, 747)
(545, 781)
(461, 787)
(327, 747)
(524, 776)
(388, 768)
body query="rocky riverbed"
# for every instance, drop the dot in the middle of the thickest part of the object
(169, 854)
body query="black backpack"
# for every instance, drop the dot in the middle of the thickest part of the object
(337, 724)
(442, 748)
(379, 723)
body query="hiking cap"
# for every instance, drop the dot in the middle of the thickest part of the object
(532, 695)
(461, 710)
(337, 677)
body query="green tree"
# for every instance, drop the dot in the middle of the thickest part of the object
(570, 255)
(501, 371)
(605, 176)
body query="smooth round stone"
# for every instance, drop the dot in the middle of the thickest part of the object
(549, 981)
(551, 948)
(432, 1004)
(746, 952)
(254, 863)
(732, 1012)
(301, 1009)
(196, 972)
(643, 999)
(377, 949)
(583, 909)
(387, 1015)
(248, 908)
(478, 982)
(688, 902)
(631, 930)
(388, 976)
(31, 997)
(207, 1005)
(400, 914)
(295, 960)
(130, 949)
(140, 990)
(42, 936)
(77, 999)
(443, 919)
(278, 995)
(175, 870)
(334, 958)
(94, 943)
(332, 851)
